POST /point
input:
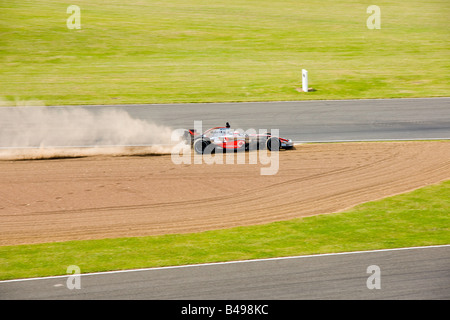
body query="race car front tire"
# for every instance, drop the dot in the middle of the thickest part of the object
(273, 144)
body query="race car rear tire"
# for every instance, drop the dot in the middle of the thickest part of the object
(273, 144)
(202, 146)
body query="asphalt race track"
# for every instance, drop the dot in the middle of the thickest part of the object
(302, 121)
(410, 273)
(382, 119)
(316, 120)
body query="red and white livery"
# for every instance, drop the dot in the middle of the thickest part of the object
(223, 139)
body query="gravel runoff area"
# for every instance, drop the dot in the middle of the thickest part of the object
(96, 197)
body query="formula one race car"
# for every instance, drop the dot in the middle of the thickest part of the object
(223, 139)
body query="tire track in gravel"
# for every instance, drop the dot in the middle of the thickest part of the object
(107, 197)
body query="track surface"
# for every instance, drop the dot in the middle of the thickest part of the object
(414, 273)
(95, 197)
(379, 119)
(312, 121)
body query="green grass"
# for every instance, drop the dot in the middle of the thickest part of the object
(177, 51)
(418, 218)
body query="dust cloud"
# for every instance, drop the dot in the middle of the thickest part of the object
(34, 131)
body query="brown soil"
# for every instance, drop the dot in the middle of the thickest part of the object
(108, 197)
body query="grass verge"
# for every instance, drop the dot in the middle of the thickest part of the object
(142, 51)
(418, 218)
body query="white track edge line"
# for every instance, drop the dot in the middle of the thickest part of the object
(163, 145)
(228, 262)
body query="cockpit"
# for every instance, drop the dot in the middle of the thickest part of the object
(219, 132)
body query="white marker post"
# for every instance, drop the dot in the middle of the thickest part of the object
(304, 80)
